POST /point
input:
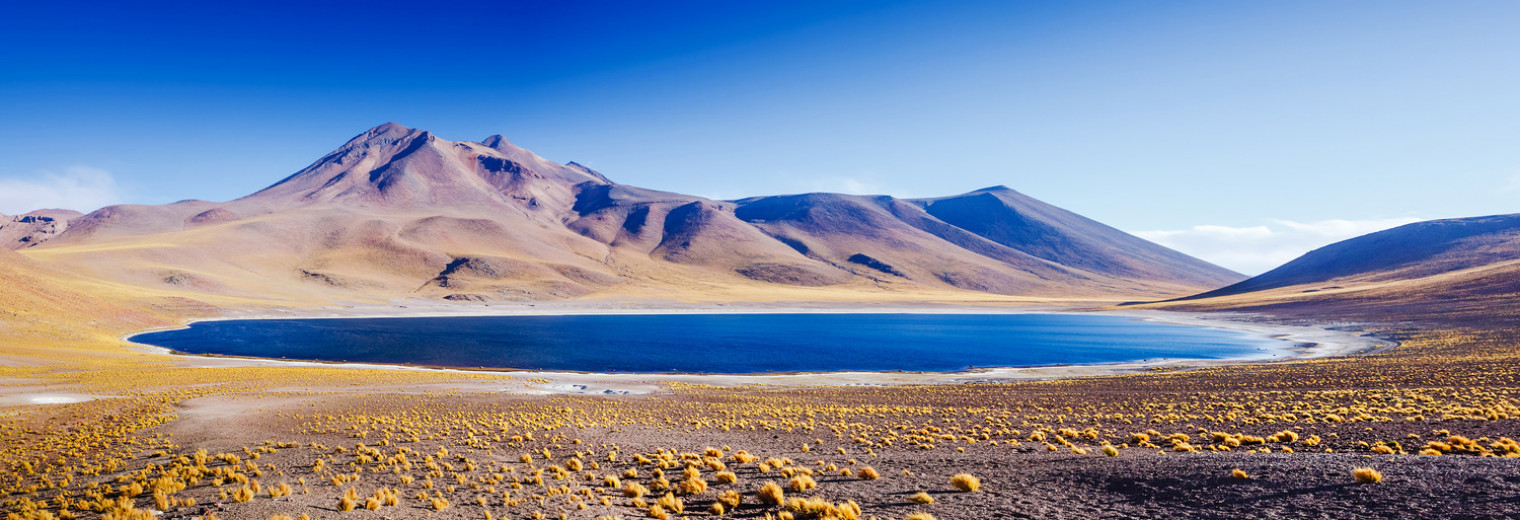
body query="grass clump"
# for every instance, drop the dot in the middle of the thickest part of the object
(1239, 473)
(730, 498)
(670, 503)
(691, 486)
(966, 482)
(823, 509)
(802, 483)
(921, 498)
(771, 494)
(243, 494)
(1366, 475)
(635, 490)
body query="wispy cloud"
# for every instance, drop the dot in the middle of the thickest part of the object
(80, 188)
(1257, 249)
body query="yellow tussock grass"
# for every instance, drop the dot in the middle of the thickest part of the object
(966, 482)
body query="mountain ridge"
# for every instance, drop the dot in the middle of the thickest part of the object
(1461, 270)
(400, 211)
(1410, 251)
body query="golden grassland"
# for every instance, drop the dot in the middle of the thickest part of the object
(1440, 394)
(326, 442)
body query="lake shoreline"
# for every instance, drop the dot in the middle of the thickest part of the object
(1298, 342)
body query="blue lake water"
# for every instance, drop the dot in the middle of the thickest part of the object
(718, 343)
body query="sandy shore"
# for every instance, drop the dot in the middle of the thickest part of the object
(1298, 342)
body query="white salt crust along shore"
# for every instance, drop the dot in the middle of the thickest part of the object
(1298, 342)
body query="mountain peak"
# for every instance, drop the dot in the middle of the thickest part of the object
(496, 140)
(512, 151)
(385, 134)
(389, 127)
(393, 164)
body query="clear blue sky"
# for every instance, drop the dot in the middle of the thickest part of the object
(1255, 120)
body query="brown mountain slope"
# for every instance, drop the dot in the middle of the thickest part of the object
(870, 237)
(398, 212)
(1019, 221)
(1455, 270)
(42, 316)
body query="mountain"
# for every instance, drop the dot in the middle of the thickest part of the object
(1018, 221)
(392, 165)
(399, 212)
(1454, 268)
(34, 228)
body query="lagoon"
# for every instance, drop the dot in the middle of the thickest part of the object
(719, 343)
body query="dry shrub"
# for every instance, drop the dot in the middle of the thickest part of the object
(770, 494)
(671, 503)
(691, 486)
(966, 482)
(802, 483)
(635, 490)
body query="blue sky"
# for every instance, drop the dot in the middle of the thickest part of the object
(1242, 132)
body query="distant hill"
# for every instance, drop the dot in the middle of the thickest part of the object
(399, 212)
(1455, 269)
(35, 227)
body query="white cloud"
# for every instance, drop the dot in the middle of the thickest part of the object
(79, 188)
(1257, 249)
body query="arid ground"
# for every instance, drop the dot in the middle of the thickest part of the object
(103, 431)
